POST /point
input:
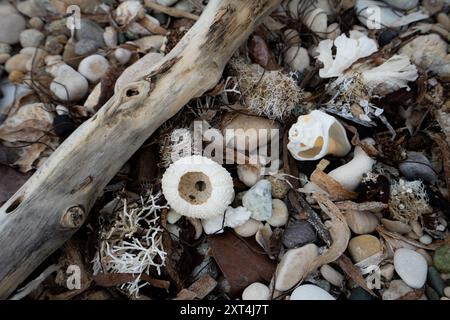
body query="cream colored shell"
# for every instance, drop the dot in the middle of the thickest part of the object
(317, 134)
(197, 187)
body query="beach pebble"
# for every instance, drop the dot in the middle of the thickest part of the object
(386, 36)
(298, 233)
(93, 67)
(36, 23)
(331, 275)
(426, 255)
(387, 271)
(34, 8)
(249, 174)
(122, 55)
(333, 31)
(110, 37)
(297, 58)
(280, 188)
(441, 259)
(403, 4)
(137, 70)
(3, 58)
(417, 228)
(154, 42)
(447, 292)
(69, 85)
(185, 5)
(258, 200)
(88, 38)
(396, 290)
(85, 47)
(317, 21)
(166, 3)
(249, 228)
(361, 222)
(435, 281)
(396, 226)
(310, 292)
(235, 217)
(31, 38)
(256, 291)
(444, 20)
(359, 293)
(5, 48)
(426, 239)
(418, 167)
(363, 247)
(173, 216)
(53, 45)
(11, 25)
(17, 62)
(411, 267)
(293, 265)
(280, 213)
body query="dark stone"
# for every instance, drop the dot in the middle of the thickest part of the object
(418, 167)
(299, 233)
(435, 281)
(386, 37)
(431, 293)
(63, 125)
(359, 293)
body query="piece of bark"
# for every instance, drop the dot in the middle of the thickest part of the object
(55, 201)
(353, 272)
(171, 11)
(115, 279)
(199, 289)
(241, 260)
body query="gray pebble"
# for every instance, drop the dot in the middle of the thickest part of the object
(435, 281)
(418, 167)
(299, 233)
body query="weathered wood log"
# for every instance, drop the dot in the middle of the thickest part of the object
(55, 201)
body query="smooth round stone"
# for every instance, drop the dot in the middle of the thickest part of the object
(431, 294)
(258, 200)
(249, 174)
(363, 247)
(298, 233)
(435, 281)
(426, 239)
(396, 290)
(36, 23)
(310, 292)
(411, 267)
(256, 291)
(166, 3)
(447, 292)
(122, 55)
(331, 275)
(441, 259)
(396, 226)
(444, 20)
(387, 271)
(17, 62)
(249, 228)
(333, 31)
(403, 4)
(5, 48)
(69, 85)
(31, 38)
(85, 46)
(280, 214)
(11, 25)
(279, 187)
(386, 36)
(361, 222)
(89, 30)
(93, 67)
(173, 216)
(418, 167)
(3, 58)
(359, 293)
(297, 58)
(426, 255)
(293, 266)
(185, 5)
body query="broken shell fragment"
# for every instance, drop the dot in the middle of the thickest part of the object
(317, 134)
(197, 187)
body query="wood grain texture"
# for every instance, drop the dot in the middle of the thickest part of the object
(34, 222)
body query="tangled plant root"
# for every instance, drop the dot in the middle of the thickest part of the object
(408, 201)
(133, 244)
(270, 93)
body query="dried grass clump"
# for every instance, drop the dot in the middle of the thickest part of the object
(408, 201)
(273, 94)
(133, 243)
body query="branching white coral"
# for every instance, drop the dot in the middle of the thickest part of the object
(391, 76)
(273, 94)
(348, 51)
(133, 244)
(408, 201)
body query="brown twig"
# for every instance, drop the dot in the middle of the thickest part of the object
(173, 12)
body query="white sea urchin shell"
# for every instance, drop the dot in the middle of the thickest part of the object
(197, 187)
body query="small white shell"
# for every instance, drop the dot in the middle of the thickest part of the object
(197, 187)
(317, 134)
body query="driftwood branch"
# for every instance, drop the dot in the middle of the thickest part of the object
(55, 201)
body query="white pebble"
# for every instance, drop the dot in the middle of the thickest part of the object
(310, 292)
(249, 228)
(249, 174)
(426, 239)
(69, 85)
(256, 291)
(387, 271)
(31, 38)
(110, 37)
(297, 58)
(122, 55)
(280, 214)
(411, 267)
(93, 67)
(173, 216)
(447, 292)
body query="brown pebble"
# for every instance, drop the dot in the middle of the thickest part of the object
(16, 76)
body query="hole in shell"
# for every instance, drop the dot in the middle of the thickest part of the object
(132, 92)
(195, 187)
(16, 203)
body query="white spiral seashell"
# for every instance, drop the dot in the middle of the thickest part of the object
(197, 187)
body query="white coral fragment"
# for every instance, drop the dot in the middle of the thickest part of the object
(391, 76)
(348, 51)
(197, 187)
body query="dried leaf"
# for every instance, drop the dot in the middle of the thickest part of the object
(365, 206)
(331, 186)
(241, 260)
(353, 272)
(199, 289)
(395, 236)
